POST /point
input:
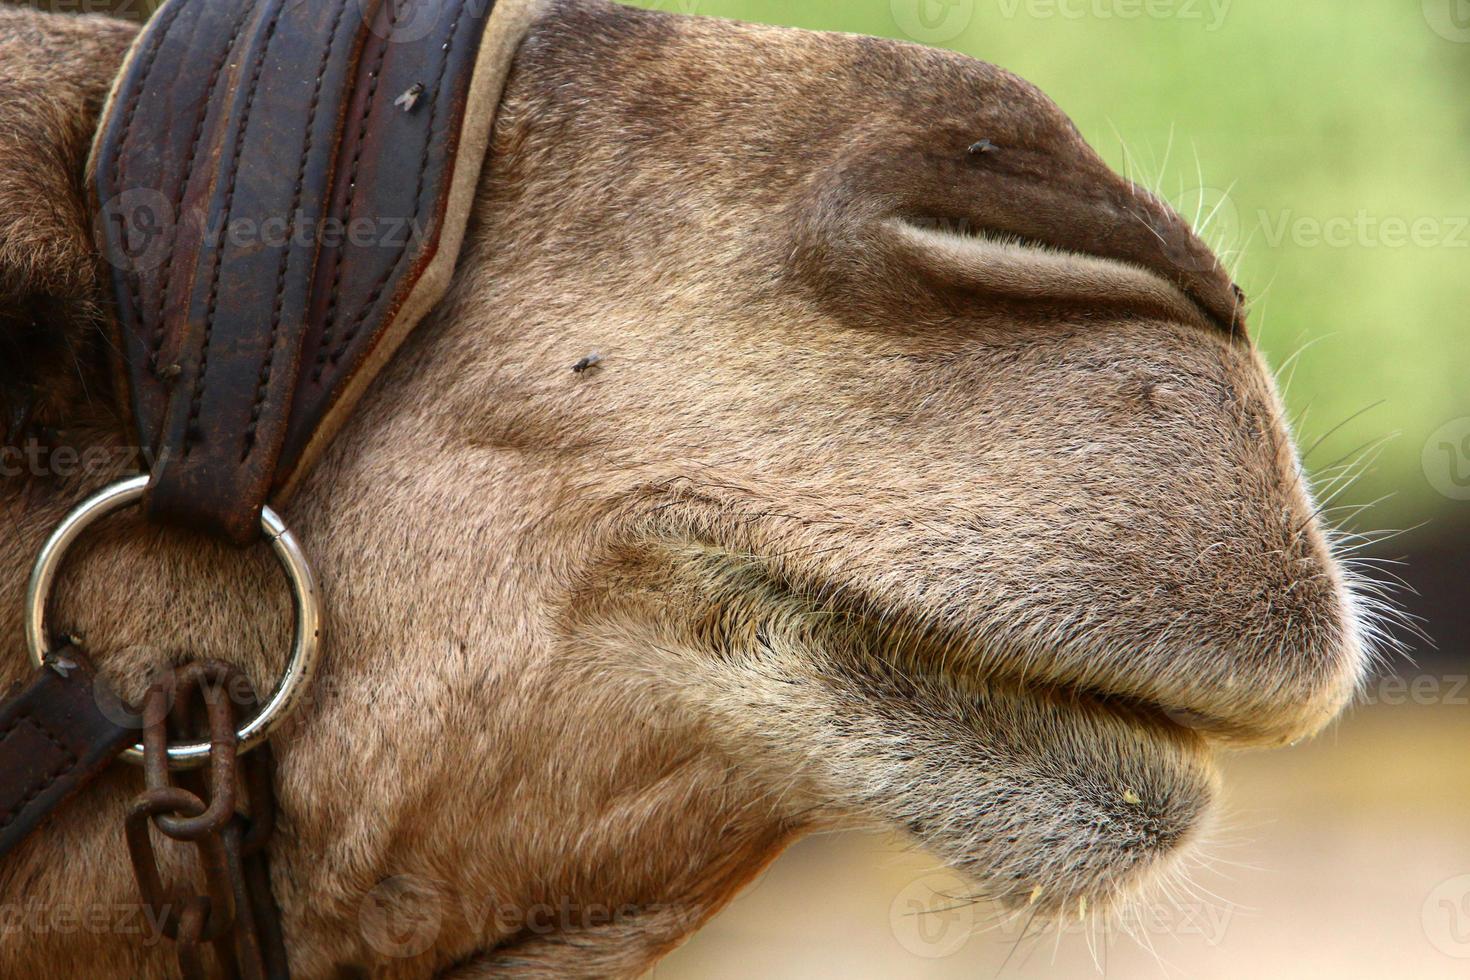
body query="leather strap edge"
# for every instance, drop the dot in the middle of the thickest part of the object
(510, 22)
(117, 370)
(55, 738)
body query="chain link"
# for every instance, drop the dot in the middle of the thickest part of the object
(226, 811)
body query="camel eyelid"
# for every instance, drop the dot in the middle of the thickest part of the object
(1017, 267)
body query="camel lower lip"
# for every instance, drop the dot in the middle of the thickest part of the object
(1043, 794)
(1131, 789)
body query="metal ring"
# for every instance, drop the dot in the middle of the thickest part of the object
(307, 636)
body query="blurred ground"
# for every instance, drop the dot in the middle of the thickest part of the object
(1337, 859)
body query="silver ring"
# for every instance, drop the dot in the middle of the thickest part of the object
(307, 636)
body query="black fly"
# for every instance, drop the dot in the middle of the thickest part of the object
(587, 363)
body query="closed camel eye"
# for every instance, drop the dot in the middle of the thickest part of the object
(1051, 229)
(1011, 266)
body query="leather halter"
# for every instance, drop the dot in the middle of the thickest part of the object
(282, 190)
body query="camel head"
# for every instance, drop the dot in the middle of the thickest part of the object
(926, 478)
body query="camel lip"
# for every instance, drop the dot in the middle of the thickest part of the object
(1043, 792)
(1150, 718)
(1133, 692)
(932, 658)
(1177, 721)
(1276, 710)
(1161, 715)
(1073, 797)
(1154, 716)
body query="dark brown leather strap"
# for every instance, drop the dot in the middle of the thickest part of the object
(57, 734)
(281, 191)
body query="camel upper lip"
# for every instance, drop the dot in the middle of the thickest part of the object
(927, 651)
(1125, 688)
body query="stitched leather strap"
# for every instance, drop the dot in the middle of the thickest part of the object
(282, 188)
(55, 738)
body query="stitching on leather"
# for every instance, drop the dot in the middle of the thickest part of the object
(164, 283)
(130, 110)
(68, 763)
(161, 32)
(330, 321)
(198, 399)
(377, 292)
(263, 385)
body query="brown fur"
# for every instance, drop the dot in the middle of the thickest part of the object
(860, 521)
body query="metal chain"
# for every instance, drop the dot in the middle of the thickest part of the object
(227, 811)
